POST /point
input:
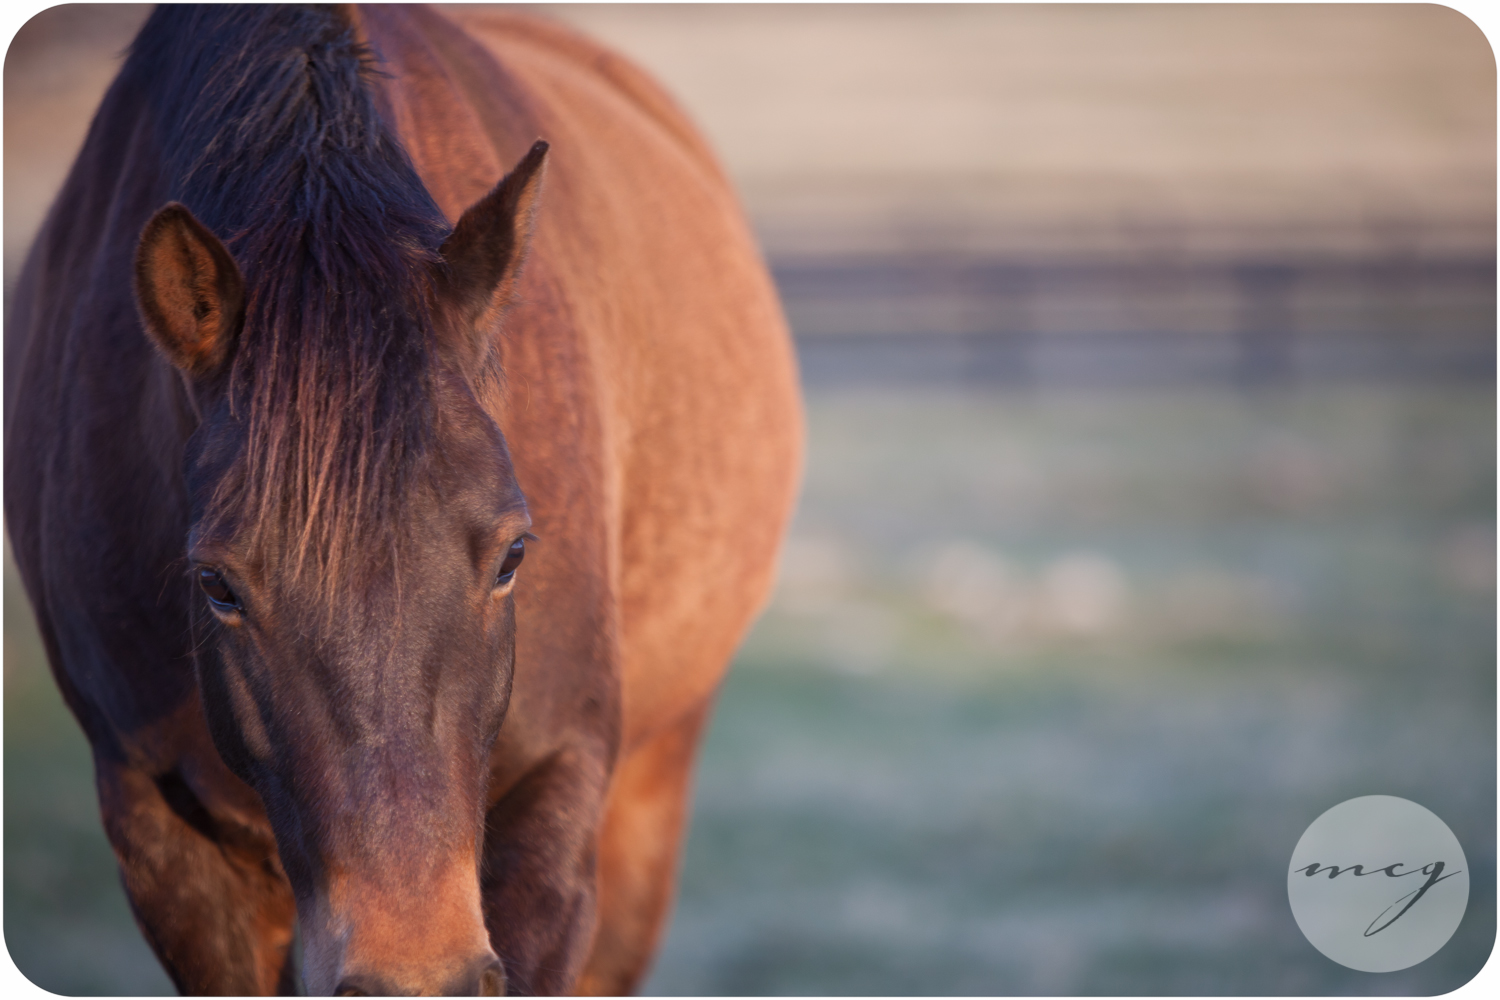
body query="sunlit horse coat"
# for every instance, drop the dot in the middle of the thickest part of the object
(257, 375)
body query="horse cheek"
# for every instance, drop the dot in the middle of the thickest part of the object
(234, 722)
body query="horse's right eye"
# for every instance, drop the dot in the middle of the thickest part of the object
(219, 594)
(512, 562)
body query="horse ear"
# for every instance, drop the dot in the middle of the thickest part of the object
(482, 256)
(189, 291)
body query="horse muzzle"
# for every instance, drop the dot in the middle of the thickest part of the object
(371, 938)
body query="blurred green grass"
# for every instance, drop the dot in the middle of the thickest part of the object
(1053, 682)
(1051, 685)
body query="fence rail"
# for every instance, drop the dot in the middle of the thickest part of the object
(1239, 322)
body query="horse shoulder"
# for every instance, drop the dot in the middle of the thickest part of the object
(646, 276)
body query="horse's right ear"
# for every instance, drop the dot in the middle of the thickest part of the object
(189, 291)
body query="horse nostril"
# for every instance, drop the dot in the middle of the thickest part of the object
(491, 981)
(364, 985)
(483, 978)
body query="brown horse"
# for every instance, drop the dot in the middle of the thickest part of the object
(285, 414)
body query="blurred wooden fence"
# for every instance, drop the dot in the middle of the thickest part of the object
(1248, 322)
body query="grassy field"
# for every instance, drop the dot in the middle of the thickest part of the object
(1053, 684)
(1050, 688)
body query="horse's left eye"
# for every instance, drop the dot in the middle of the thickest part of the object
(219, 594)
(512, 560)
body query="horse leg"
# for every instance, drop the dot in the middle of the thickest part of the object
(538, 881)
(638, 848)
(209, 898)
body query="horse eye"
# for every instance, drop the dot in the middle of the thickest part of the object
(219, 594)
(512, 560)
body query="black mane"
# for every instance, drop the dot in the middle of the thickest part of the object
(270, 136)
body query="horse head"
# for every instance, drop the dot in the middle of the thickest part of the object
(356, 533)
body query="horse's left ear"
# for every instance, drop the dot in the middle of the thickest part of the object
(482, 256)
